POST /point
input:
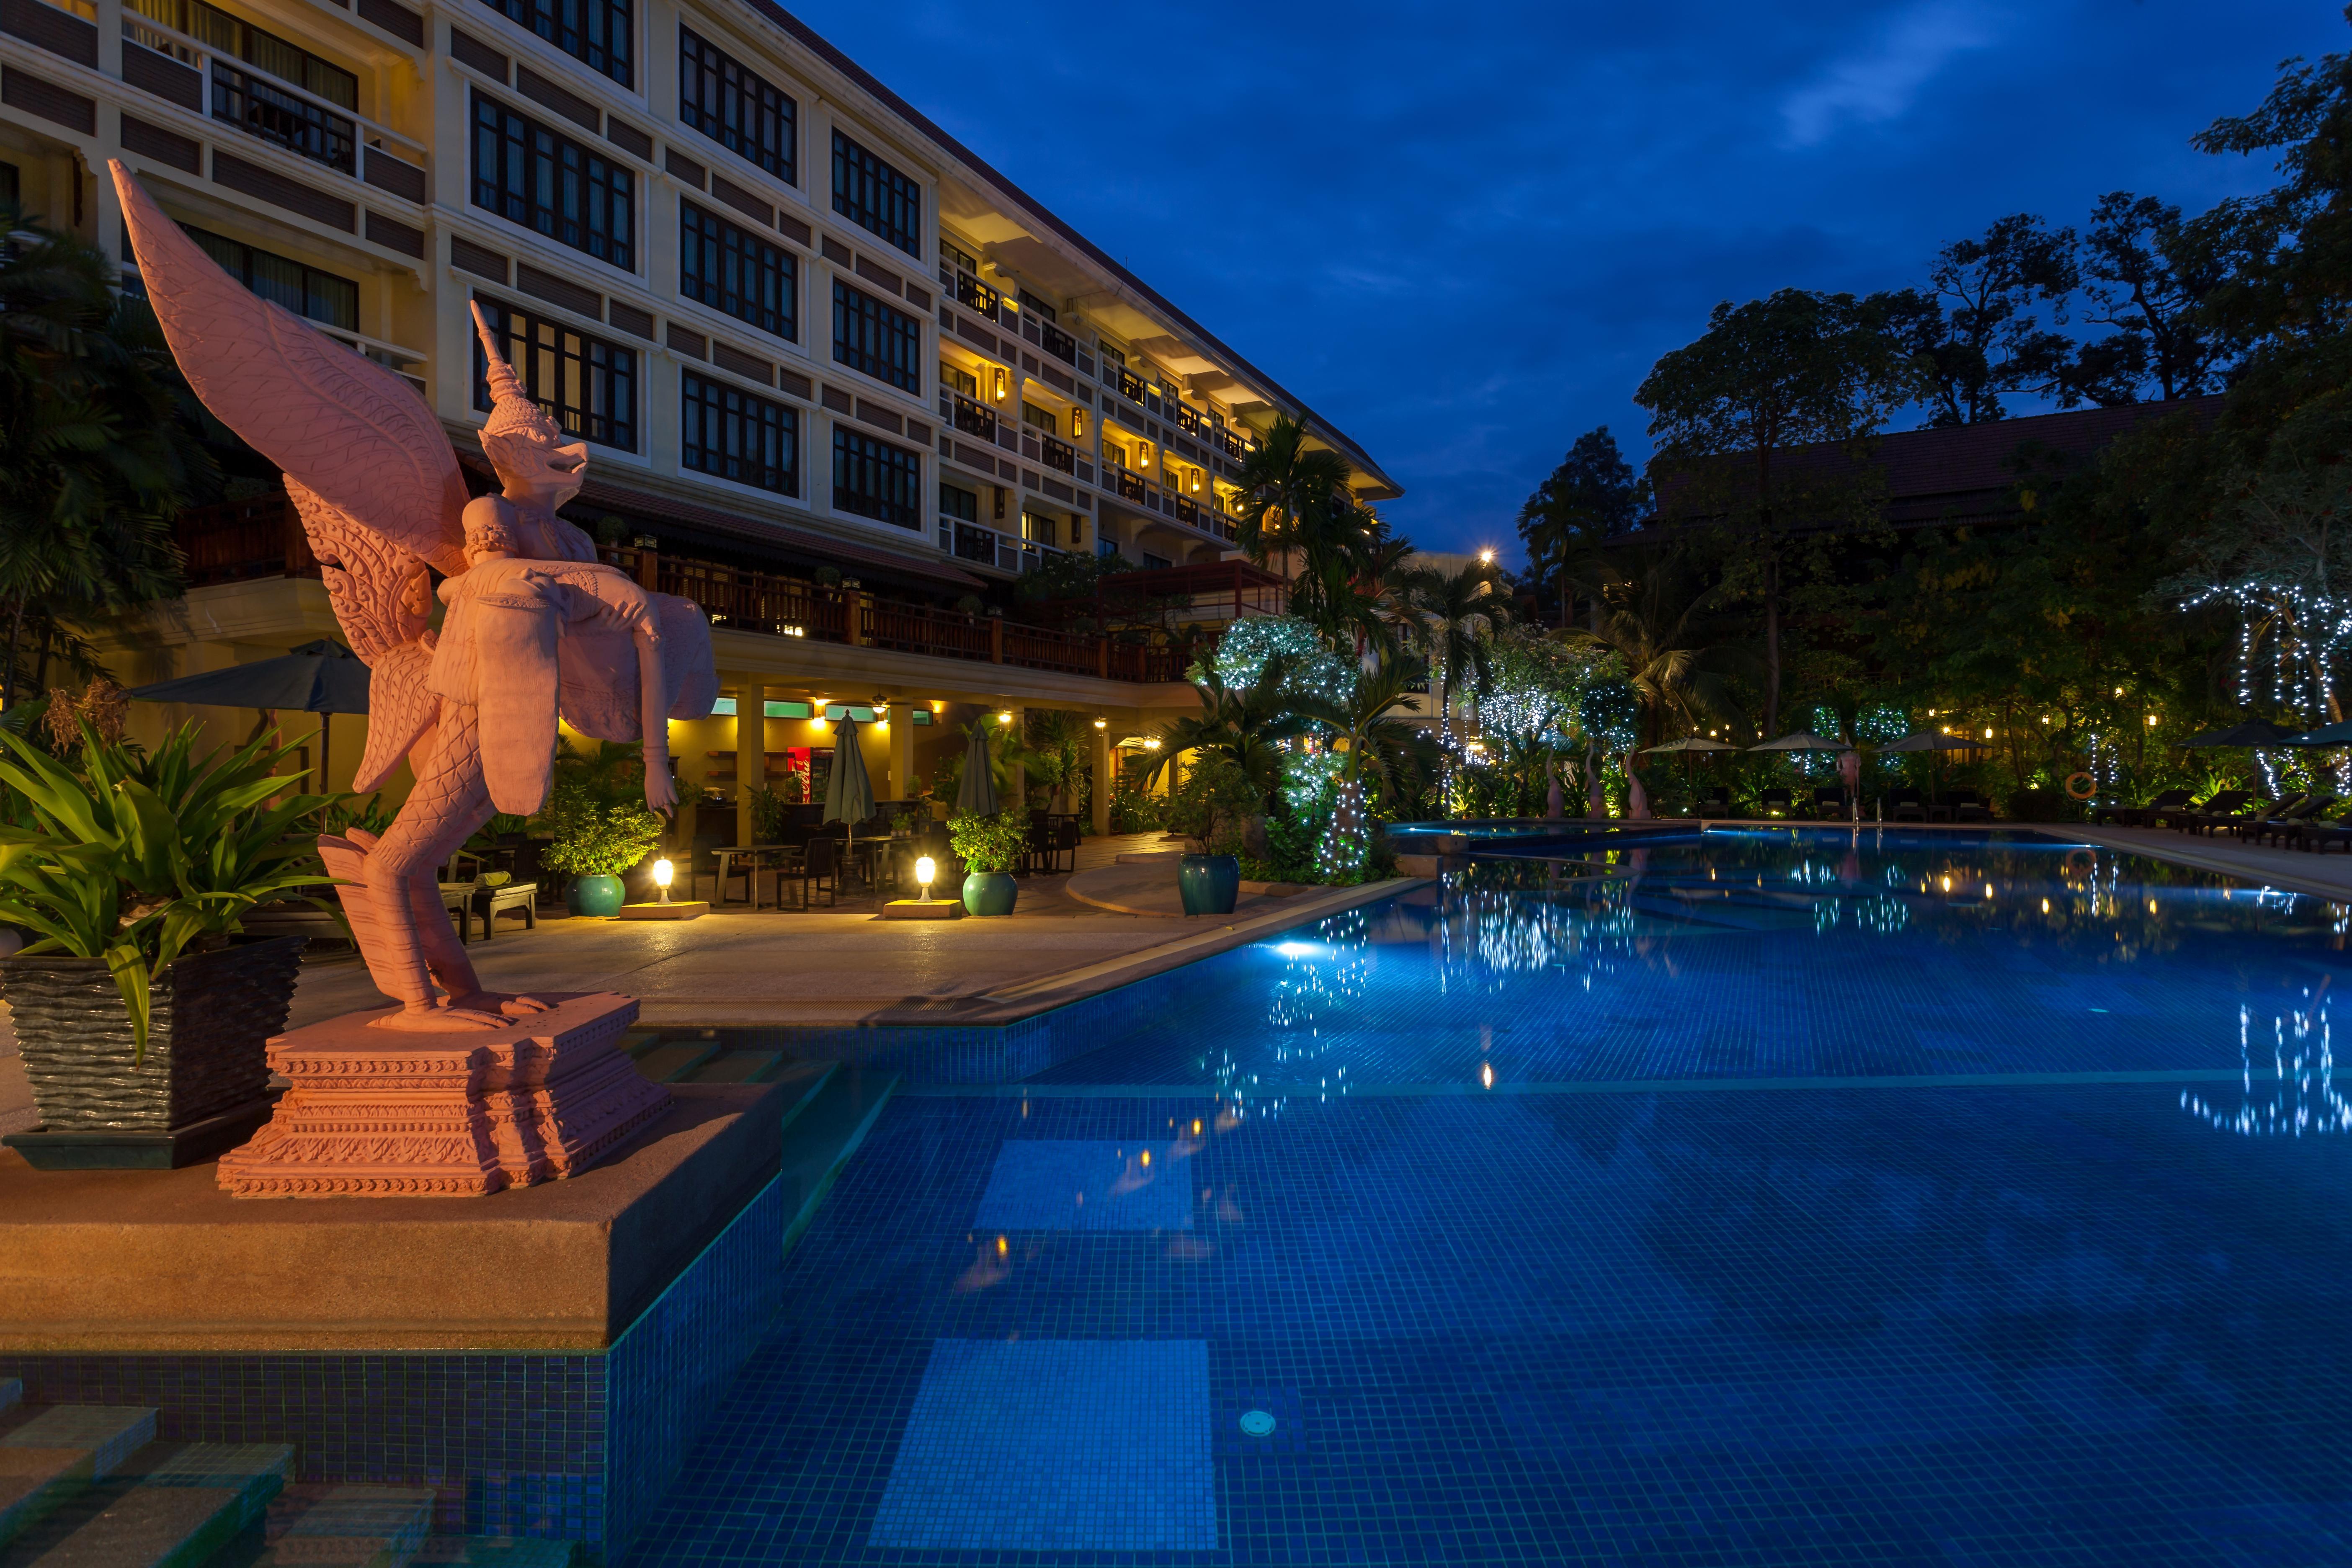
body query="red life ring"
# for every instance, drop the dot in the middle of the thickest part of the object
(2081, 786)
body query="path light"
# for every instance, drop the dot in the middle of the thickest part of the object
(925, 869)
(663, 872)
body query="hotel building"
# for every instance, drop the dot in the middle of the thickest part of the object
(841, 379)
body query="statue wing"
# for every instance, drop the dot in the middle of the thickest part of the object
(356, 438)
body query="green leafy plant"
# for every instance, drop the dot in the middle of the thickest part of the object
(135, 857)
(1209, 805)
(595, 839)
(989, 843)
(1134, 810)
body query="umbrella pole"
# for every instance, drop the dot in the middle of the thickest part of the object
(326, 723)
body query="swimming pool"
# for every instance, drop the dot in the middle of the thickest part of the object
(1778, 1196)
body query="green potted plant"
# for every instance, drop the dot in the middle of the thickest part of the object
(142, 1010)
(596, 843)
(989, 846)
(1208, 807)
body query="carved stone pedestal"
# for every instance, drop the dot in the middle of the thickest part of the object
(378, 1113)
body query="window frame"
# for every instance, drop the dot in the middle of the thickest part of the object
(543, 21)
(705, 401)
(606, 186)
(618, 370)
(874, 456)
(881, 317)
(701, 234)
(701, 62)
(211, 243)
(864, 187)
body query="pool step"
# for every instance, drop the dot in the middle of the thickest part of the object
(321, 1524)
(821, 1131)
(170, 1505)
(55, 1453)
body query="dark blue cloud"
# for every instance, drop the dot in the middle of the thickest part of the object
(1463, 233)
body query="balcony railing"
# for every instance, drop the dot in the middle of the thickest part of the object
(917, 629)
(1058, 454)
(1034, 648)
(1117, 378)
(1058, 342)
(984, 545)
(1133, 489)
(269, 111)
(970, 292)
(1187, 511)
(232, 91)
(747, 601)
(973, 417)
(1190, 423)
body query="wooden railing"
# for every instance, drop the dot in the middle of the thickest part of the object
(917, 629)
(238, 540)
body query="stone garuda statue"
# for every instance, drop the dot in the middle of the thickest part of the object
(535, 629)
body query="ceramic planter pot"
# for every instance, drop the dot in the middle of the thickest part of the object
(598, 896)
(989, 892)
(201, 1088)
(1209, 883)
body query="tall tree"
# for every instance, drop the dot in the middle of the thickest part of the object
(1591, 497)
(1978, 331)
(2148, 281)
(1453, 617)
(1794, 370)
(95, 455)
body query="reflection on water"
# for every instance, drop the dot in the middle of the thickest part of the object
(2294, 1092)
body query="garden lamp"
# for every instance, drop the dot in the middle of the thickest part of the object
(663, 872)
(925, 869)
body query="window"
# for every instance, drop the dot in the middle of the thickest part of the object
(588, 384)
(1039, 529)
(545, 180)
(1042, 418)
(305, 290)
(735, 108)
(739, 436)
(958, 502)
(1156, 563)
(872, 195)
(1031, 302)
(873, 479)
(599, 34)
(958, 380)
(735, 270)
(869, 336)
(210, 26)
(952, 254)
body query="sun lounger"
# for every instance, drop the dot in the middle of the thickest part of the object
(2228, 803)
(1718, 802)
(2212, 823)
(1775, 802)
(1829, 805)
(2282, 824)
(1904, 806)
(2138, 815)
(1968, 806)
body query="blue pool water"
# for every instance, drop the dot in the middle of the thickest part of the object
(1796, 1196)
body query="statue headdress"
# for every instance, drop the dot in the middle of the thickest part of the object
(511, 408)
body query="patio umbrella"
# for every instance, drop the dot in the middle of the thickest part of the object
(977, 792)
(2326, 735)
(1687, 745)
(848, 790)
(1802, 740)
(1937, 743)
(322, 677)
(2253, 733)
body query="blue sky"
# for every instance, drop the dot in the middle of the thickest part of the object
(1463, 232)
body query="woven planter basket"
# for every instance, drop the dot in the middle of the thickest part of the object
(212, 1015)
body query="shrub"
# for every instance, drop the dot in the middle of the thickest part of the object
(594, 840)
(989, 843)
(1211, 803)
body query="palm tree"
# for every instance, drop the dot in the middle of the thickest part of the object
(1453, 617)
(1656, 627)
(1288, 489)
(96, 450)
(1380, 744)
(1246, 725)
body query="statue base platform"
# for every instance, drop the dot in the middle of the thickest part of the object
(689, 909)
(923, 909)
(376, 1112)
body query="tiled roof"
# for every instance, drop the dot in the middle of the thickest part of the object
(775, 536)
(1969, 472)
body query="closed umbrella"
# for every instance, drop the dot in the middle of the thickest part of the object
(848, 792)
(977, 792)
(322, 677)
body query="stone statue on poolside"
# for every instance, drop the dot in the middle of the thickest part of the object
(456, 1091)
(536, 627)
